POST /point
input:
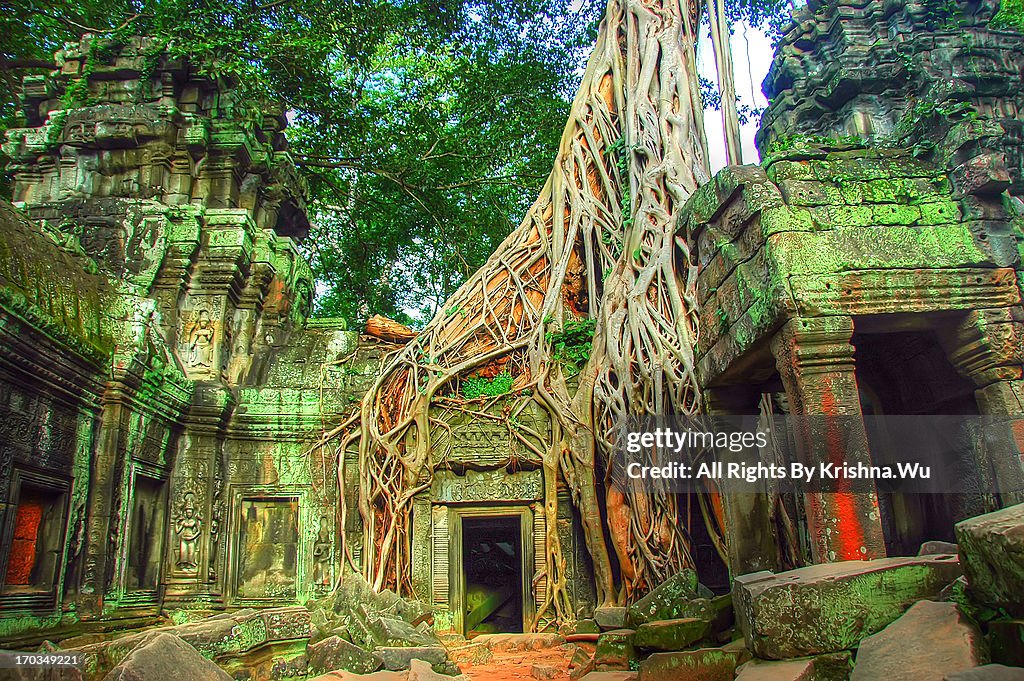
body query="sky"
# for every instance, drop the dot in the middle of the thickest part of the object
(752, 55)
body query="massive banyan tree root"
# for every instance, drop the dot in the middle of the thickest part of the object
(599, 244)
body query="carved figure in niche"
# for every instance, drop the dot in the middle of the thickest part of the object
(322, 555)
(188, 527)
(200, 342)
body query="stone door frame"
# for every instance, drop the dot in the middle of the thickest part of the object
(457, 576)
(142, 597)
(240, 493)
(38, 601)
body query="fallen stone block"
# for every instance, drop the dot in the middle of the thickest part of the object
(399, 658)
(828, 667)
(164, 656)
(579, 671)
(392, 632)
(706, 664)
(615, 650)
(938, 548)
(287, 623)
(610, 618)
(610, 676)
(988, 672)
(992, 553)
(776, 670)
(334, 653)
(544, 672)
(672, 600)
(590, 627)
(931, 640)
(831, 607)
(668, 635)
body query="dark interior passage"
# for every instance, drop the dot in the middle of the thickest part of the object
(908, 373)
(493, 562)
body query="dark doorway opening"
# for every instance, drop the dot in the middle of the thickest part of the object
(492, 556)
(908, 373)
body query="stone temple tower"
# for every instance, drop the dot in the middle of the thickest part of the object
(162, 379)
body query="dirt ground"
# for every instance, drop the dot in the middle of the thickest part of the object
(519, 665)
(518, 657)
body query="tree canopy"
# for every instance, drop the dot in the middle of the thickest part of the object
(425, 127)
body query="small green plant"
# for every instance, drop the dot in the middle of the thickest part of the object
(622, 164)
(572, 344)
(478, 386)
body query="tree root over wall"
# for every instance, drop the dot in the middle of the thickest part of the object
(600, 243)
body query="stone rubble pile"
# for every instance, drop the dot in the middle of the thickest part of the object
(933, 617)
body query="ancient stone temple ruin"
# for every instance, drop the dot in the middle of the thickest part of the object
(163, 384)
(162, 378)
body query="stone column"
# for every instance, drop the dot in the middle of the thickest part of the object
(815, 361)
(987, 347)
(749, 534)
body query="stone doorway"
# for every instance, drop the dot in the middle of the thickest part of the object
(907, 373)
(492, 593)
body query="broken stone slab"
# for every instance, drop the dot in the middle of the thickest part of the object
(579, 671)
(610, 618)
(671, 600)
(286, 623)
(830, 607)
(776, 670)
(988, 672)
(610, 676)
(938, 548)
(992, 552)
(615, 650)
(399, 658)
(392, 632)
(1006, 642)
(705, 664)
(668, 635)
(931, 640)
(164, 656)
(590, 627)
(334, 653)
(828, 667)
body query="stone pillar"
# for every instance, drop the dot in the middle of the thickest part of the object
(749, 534)
(987, 347)
(815, 360)
(196, 575)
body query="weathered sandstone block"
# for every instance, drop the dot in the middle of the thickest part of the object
(931, 640)
(831, 607)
